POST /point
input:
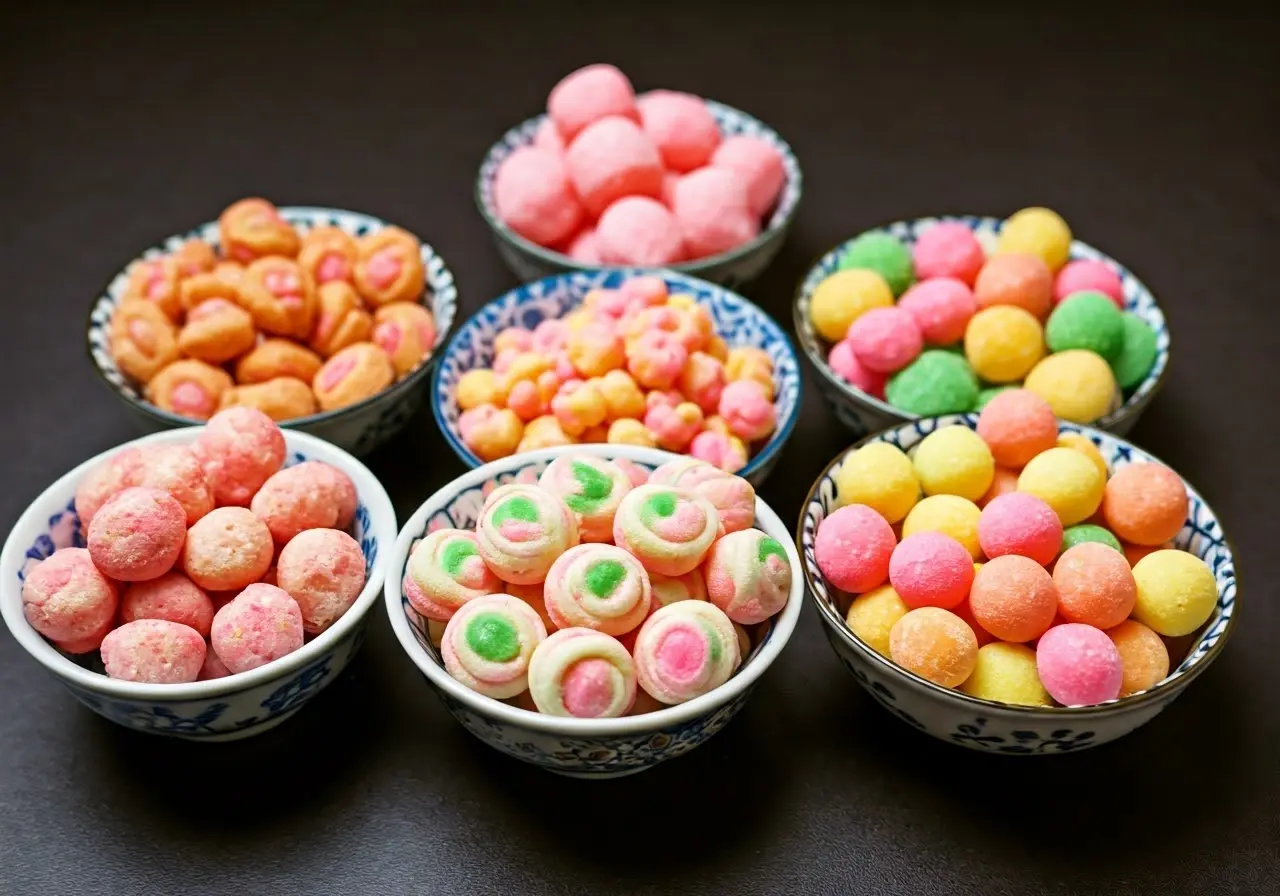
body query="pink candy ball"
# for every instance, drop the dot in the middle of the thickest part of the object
(941, 308)
(682, 126)
(154, 651)
(261, 624)
(298, 498)
(227, 550)
(948, 249)
(846, 365)
(213, 667)
(1080, 275)
(532, 195)
(585, 247)
(929, 569)
(547, 137)
(760, 166)
(712, 207)
(587, 95)
(172, 597)
(610, 159)
(68, 600)
(1079, 665)
(122, 470)
(853, 548)
(668, 193)
(239, 449)
(323, 570)
(1020, 523)
(176, 470)
(747, 410)
(639, 230)
(885, 340)
(137, 535)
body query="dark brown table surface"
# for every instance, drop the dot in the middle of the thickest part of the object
(1155, 134)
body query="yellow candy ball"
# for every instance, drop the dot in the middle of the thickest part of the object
(1080, 443)
(630, 432)
(845, 296)
(881, 476)
(479, 386)
(1176, 592)
(1037, 231)
(1002, 343)
(1067, 481)
(1077, 384)
(1006, 673)
(872, 616)
(954, 460)
(950, 515)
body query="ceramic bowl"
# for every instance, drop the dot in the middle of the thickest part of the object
(358, 428)
(864, 413)
(737, 321)
(582, 748)
(956, 717)
(733, 269)
(223, 709)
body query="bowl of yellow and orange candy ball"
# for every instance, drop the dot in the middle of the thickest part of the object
(623, 356)
(326, 320)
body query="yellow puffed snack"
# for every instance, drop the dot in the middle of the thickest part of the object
(748, 363)
(579, 408)
(491, 432)
(718, 349)
(845, 296)
(628, 431)
(881, 476)
(1037, 231)
(594, 435)
(543, 432)
(622, 397)
(698, 315)
(525, 366)
(1078, 384)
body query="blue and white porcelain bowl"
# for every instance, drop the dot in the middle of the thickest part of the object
(865, 413)
(737, 321)
(580, 748)
(228, 708)
(735, 268)
(358, 428)
(957, 718)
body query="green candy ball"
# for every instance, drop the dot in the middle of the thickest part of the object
(1087, 532)
(985, 395)
(1137, 353)
(937, 382)
(884, 254)
(1086, 320)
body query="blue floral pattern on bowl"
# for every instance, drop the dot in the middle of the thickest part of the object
(994, 727)
(358, 428)
(863, 413)
(737, 321)
(733, 269)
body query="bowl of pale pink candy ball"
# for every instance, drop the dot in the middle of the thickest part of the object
(202, 583)
(663, 179)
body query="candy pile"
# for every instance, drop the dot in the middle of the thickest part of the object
(966, 326)
(572, 591)
(203, 560)
(632, 366)
(615, 179)
(289, 323)
(1024, 574)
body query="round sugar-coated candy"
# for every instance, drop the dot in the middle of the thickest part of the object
(1078, 442)
(1144, 660)
(949, 514)
(883, 253)
(853, 548)
(68, 599)
(930, 569)
(612, 158)
(1002, 483)
(1079, 665)
(681, 126)
(324, 571)
(176, 470)
(238, 449)
(1095, 585)
(758, 163)
(1087, 320)
(937, 382)
(881, 476)
(533, 196)
(259, 625)
(843, 297)
(227, 550)
(1137, 354)
(941, 308)
(1088, 533)
(1020, 280)
(1006, 673)
(1020, 523)
(934, 644)
(954, 460)
(1067, 481)
(639, 230)
(948, 249)
(885, 340)
(173, 597)
(1077, 384)
(587, 95)
(1013, 598)
(873, 615)
(1017, 425)
(137, 535)
(714, 212)
(1135, 552)
(1176, 592)
(1040, 232)
(155, 651)
(1003, 343)
(1145, 503)
(1077, 276)
(847, 366)
(986, 395)
(297, 498)
(965, 612)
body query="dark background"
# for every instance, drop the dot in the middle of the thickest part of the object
(1154, 134)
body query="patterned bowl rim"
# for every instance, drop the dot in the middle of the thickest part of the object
(784, 623)
(528, 291)
(443, 291)
(382, 526)
(1146, 390)
(779, 221)
(1173, 684)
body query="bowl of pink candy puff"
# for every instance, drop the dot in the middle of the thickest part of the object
(663, 179)
(594, 609)
(201, 583)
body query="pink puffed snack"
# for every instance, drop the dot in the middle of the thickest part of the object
(733, 497)
(748, 576)
(948, 249)
(587, 95)
(177, 470)
(702, 381)
(1079, 665)
(885, 340)
(853, 548)
(1020, 523)
(213, 667)
(941, 308)
(673, 426)
(681, 126)
(533, 197)
(714, 213)
(137, 535)
(239, 449)
(547, 137)
(262, 624)
(747, 410)
(1083, 274)
(66, 599)
(154, 651)
(846, 365)
(172, 597)
(120, 471)
(323, 570)
(929, 569)
(720, 450)
(639, 230)
(759, 164)
(656, 359)
(295, 499)
(610, 159)
(341, 487)
(227, 550)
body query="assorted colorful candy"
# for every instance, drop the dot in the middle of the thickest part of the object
(201, 560)
(612, 178)
(592, 595)
(966, 326)
(287, 322)
(631, 366)
(1011, 563)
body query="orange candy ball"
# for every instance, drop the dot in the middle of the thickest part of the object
(1095, 585)
(1002, 483)
(1015, 279)
(1013, 598)
(1017, 425)
(1135, 552)
(1145, 503)
(1144, 659)
(935, 644)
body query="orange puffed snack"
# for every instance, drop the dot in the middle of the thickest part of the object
(406, 331)
(189, 388)
(194, 257)
(389, 267)
(142, 339)
(228, 271)
(749, 363)
(280, 295)
(252, 228)
(283, 398)
(156, 281)
(273, 358)
(217, 331)
(353, 374)
(329, 254)
(205, 287)
(340, 320)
